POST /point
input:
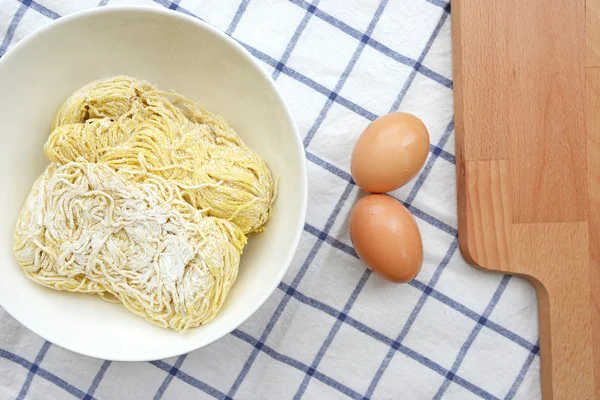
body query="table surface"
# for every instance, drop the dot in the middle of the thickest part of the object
(331, 329)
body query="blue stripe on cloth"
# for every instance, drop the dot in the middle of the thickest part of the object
(440, 3)
(12, 27)
(41, 372)
(282, 67)
(329, 167)
(471, 338)
(417, 187)
(429, 165)
(430, 219)
(332, 333)
(97, 379)
(323, 236)
(171, 5)
(347, 177)
(174, 5)
(382, 338)
(442, 298)
(521, 376)
(237, 17)
(412, 318)
(340, 83)
(102, 3)
(36, 364)
(190, 380)
(275, 317)
(34, 5)
(419, 62)
(534, 349)
(444, 372)
(375, 44)
(443, 154)
(294, 40)
(172, 372)
(363, 328)
(260, 346)
(349, 187)
(331, 240)
(425, 71)
(310, 83)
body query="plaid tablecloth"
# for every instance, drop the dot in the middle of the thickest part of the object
(332, 329)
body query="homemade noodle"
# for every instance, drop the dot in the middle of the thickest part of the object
(147, 201)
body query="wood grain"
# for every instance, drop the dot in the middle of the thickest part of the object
(592, 25)
(593, 147)
(527, 111)
(489, 223)
(545, 251)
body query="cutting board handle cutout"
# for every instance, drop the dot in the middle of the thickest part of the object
(527, 115)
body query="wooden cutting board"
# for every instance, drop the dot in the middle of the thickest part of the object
(527, 103)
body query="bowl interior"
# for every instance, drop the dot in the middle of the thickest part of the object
(176, 53)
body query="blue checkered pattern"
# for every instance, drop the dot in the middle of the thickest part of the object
(332, 329)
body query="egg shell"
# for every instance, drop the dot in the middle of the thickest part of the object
(390, 152)
(386, 237)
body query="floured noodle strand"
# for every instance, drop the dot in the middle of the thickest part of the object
(126, 123)
(147, 201)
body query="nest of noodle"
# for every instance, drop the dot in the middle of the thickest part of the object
(147, 201)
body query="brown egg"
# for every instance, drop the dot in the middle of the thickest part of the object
(386, 237)
(390, 152)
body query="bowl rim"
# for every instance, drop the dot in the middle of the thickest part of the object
(199, 343)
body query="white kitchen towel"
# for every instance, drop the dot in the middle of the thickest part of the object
(332, 330)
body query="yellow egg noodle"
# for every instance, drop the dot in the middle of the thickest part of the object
(147, 201)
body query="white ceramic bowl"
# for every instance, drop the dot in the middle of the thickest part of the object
(177, 53)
